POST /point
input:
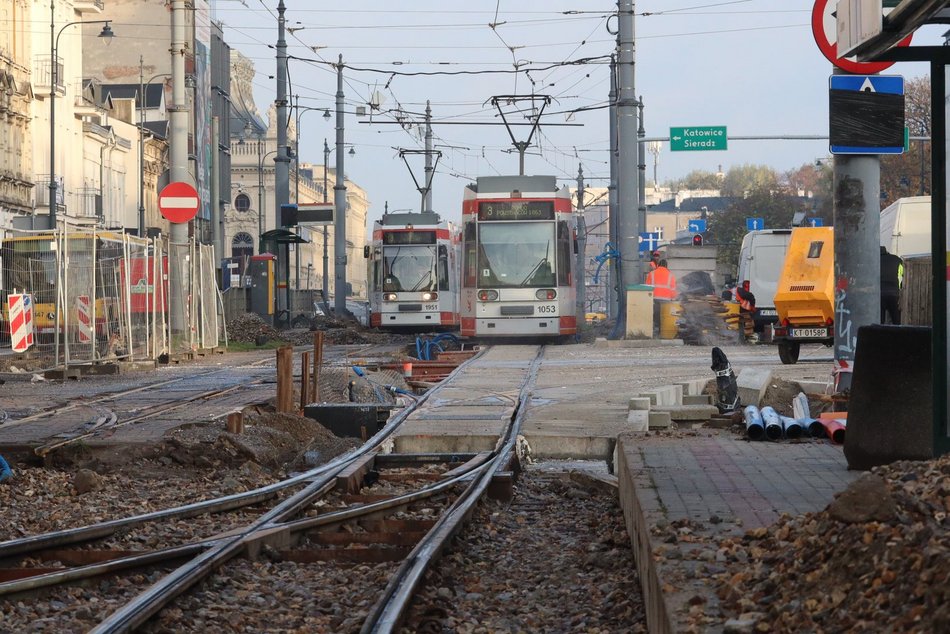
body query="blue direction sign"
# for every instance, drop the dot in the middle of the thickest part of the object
(816, 222)
(648, 241)
(754, 224)
(697, 226)
(866, 114)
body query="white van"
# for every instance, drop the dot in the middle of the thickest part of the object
(905, 226)
(761, 257)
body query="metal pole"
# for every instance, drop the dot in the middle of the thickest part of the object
(939, 240)
(427, 200)
(339, 200)
(282, 161)
(297, 229)
(260, 195)
(54, 63)
(326, 257)
(141, 147)
(178, 156)
(857, 210)
(629, 226)
(614, 298)
(217, 232)
(581, 257)
(642, 170)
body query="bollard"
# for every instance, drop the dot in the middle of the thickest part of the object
(285, 379)
(304, 379)
(773, 424)
(235, 423)
(754, 428)
(407, 370)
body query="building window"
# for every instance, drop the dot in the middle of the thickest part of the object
(242, 245)
(242, 202)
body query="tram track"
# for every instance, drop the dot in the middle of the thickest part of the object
(417, 503)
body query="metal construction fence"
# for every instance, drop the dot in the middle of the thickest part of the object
(87, 295)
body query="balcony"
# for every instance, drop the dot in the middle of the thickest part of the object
(88, 6)
(43, 75)
(90, 202)
(41, 191)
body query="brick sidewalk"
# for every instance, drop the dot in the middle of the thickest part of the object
(722, 485)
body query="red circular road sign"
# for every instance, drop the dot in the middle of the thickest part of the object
(178, 202)
(825, 29)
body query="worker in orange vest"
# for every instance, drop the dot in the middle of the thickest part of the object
(654, 258)
(662, 281)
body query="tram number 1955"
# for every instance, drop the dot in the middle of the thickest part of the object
(547, 309)
(431, 307)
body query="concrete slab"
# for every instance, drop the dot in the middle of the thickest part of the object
(723, 486)
(697, 399)
(638, 420)
(752, 383)
(690, 413)
(664, 396)
(639, 403)
(660, 420)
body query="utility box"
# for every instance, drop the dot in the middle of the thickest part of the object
(639, 312)
(261, 270)
(350, 420)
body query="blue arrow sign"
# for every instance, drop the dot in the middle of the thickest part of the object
(648, 241)
(697, 226)
(856, 99)
(816, 222)
(754, 224)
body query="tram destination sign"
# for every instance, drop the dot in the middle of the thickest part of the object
(687, 139)
(516, 210)
(409, 237)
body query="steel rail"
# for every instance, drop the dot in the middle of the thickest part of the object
(387, 613)
(150, 601)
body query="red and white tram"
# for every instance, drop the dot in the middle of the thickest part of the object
(517, 258)
(413, 272)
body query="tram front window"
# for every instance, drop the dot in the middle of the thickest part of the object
(516, 254)
(409, 268)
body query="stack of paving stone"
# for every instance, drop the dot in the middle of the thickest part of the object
(683, 403)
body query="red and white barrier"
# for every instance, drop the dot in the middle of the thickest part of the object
(20, 308)
(84, 317)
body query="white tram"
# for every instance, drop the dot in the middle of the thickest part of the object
(517, 258)
(413, 272)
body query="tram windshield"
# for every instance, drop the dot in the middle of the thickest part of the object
(516, 254)
(409, 268)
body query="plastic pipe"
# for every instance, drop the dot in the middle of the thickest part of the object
(773, 424)
(791, 427)
(835, 430)
(754, 427)
(800, 407)
(5, 471)
(813, 426)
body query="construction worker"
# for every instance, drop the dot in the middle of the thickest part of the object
(892, 273)
(664, 289)
(654, 259)
(746, 301)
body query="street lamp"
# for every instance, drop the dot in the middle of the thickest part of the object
(142, 101)
(107, 34)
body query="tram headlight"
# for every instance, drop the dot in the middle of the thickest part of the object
(545, 293)
(389, 297)
(430, 297)
(488, 296)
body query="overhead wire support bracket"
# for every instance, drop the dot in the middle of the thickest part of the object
(535, 115)
(422, 189)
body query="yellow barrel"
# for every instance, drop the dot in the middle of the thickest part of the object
(669, 312)
(732, 315)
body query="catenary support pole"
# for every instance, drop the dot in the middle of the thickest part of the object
(613, 296)
(178, 161)
(282, 160)
(581, 258)
(629, 226)
(857, 222)
(427, 203)
(641, 171)
(326, 257)
(217, 229)
(339, 200)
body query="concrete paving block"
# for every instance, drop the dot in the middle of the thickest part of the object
(816, 387)
(660, 420)
(639, 420)
(639, 403)
(693, 387)
(664, 396)
(697, 399)
(691, 413)
(752, 383)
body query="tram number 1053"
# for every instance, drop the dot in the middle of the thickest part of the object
(547, 309)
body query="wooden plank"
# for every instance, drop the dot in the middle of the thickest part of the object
(409, 477)
(85, 557)
(285, 379)
(350, 480)
(407, 525)
(474, 461)
(365, 498)
(235, 423)
(599, 482)
(317, 363)
(304, 379)
(502, 486)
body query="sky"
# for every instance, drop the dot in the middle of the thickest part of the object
(750, 65)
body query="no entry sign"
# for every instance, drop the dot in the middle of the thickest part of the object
(178, 202)
(824, 27)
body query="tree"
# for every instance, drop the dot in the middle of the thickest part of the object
(908, 174)
(743, 179)
(697, 179)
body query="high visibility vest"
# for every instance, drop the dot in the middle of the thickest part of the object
(744, 304)
(663, 283)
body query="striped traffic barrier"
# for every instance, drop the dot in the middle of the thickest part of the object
(20, 309)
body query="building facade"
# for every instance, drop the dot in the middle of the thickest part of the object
(16, 117)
